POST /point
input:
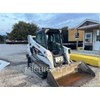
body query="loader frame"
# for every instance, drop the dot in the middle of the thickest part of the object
(39, 56)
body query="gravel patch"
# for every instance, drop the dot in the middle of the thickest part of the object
(95, 81)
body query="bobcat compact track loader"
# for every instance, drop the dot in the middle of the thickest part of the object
(49, 58)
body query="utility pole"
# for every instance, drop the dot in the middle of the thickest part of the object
(77, 38)
(77, 43)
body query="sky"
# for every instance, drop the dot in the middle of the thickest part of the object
(48, 20)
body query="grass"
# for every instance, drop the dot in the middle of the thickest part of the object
(1, 42)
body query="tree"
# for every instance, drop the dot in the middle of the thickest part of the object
(1, 38)
(21, 30)
(65, 28)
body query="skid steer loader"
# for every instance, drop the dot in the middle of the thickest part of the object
(48, 57)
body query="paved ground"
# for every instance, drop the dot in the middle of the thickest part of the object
(14, 74)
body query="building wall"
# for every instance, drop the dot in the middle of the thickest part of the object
(71, 35)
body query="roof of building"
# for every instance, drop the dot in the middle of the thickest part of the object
(89, 26)
(88, 22)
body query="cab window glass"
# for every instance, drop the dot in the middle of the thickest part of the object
(40, 38)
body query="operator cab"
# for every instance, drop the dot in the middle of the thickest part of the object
(54, 43)
(51, 39)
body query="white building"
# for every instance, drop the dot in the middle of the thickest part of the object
(91, 40)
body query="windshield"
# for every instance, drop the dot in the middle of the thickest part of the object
(54, 42)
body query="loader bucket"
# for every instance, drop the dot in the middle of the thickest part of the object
(74, 75)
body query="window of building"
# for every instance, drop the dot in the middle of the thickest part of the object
(88, 37)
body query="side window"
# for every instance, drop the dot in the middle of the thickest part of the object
(40, 39)
(43, 40)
